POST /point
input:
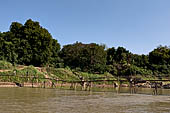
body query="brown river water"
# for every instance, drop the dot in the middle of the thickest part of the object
(39, 100)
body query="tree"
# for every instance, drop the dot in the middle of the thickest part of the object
(1, 46)
(87, 57)
(29, 44)
(55, 60)
(111, 54)
(160, 56)
(118, 60)
(140, 60)
(122, 55)
(38, 44)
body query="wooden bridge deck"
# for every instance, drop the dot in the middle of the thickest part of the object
(99, 79)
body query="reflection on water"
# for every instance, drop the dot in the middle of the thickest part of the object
(34, 100)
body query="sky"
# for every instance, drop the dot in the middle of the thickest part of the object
(138, 25)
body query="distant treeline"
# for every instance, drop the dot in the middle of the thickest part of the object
(31, 44)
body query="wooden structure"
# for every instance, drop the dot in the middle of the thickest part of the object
(88, 84)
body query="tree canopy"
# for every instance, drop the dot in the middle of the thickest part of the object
(87, 57)
(31, 44)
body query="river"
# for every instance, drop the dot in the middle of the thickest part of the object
(39, 100)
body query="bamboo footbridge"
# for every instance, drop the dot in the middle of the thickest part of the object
(87, 83)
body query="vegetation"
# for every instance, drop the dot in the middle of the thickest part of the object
(85, 57)
(5, 65)
(31, 44)
(28, 44)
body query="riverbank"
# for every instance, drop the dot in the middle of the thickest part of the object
(77, 86)
(30, 76)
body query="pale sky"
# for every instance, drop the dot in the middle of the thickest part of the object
(138, 25)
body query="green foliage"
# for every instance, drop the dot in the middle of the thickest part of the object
(160, 69)
(91, 76)
(55, 60)
(21, 75)
(7, 73)
(111, 54)
(67, 74)
(29, 44)
(5, 65)
(28, 71)
(118, 60)
(160, 56)
(134, 70)
(140, 60)
(122, 55)
(112, 69)
(63, 73)
(87, 57)
(159, 60)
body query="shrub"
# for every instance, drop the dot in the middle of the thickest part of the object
(5, 65)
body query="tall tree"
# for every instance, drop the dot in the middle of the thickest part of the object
(87, 57)
(30, 44)
(55, 60)
(159, 60)
(160, 55)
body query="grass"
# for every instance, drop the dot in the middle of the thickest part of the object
(21, 75)
(71, 75)
(17, 74)
(62, 73)
(5, 65)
